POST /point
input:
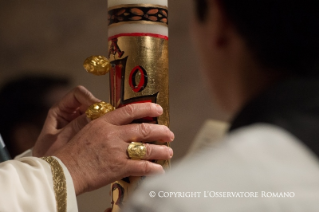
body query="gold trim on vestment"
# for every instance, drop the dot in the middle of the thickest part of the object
(59, 183)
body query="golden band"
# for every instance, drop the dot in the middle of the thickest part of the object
(59, 184)
(138, 14)
(136, 150)
(98, 109)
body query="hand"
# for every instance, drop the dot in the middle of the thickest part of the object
(64, 120)
(96, 156)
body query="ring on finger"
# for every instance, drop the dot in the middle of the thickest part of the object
(136, 150)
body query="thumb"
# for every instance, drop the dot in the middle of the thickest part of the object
(68, 132)
(76, 125)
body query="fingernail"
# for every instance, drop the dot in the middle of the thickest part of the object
(170, 150)
(159, 108)
(172, 136)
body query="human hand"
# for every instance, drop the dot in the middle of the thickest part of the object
(64, 120)
(96, 155)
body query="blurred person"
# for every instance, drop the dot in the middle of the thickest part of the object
(24, 102)
(261, 59)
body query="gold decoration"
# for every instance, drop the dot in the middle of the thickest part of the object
(152, 54)
(138, 14)
(59, 184)
(97, 65)
(98, 109)
(136, 150)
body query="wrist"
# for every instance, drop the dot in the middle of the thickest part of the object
(74, 170)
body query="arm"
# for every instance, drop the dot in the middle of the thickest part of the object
(27, 185)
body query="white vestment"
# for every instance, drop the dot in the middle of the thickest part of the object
(256, 168)
(26, 185)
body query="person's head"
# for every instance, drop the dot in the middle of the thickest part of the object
(247, 45)
(24, 103)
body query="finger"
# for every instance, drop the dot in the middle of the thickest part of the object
(145, 132)
(79, 97)
(71, 106)
(68, 132)
(143, 168)
(158, 152)
(131, 112)
(75, 126)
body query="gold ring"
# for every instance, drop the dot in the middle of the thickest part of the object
(136, 150)
(98, 109)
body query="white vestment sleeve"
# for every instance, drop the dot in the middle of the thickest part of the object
(26, 184)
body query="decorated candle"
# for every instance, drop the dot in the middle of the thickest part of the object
(138, 53)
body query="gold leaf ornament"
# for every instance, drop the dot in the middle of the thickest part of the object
(97, 65)
(98, 109)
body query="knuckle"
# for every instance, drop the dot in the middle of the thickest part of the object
(88, 94)
(81, 89)
(151, 107)
(145, 130)
(146, 167)
(129, 110)
(103, 129)
(116, 165)
(149, 151)
(110, 135)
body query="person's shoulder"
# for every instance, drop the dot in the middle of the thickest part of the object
(250, 145)
(259, 159)
(252, 157)
(265, 140)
